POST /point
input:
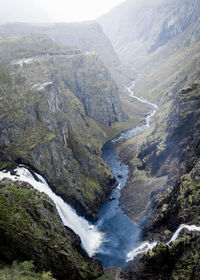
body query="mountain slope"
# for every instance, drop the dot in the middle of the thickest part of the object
(88, 36)
(31, 229)
(166, 67)
(52, 110)
(153, 24)
(161, 40)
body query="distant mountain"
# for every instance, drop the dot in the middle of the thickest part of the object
(141, 27)
(87, 36)
(21, 11)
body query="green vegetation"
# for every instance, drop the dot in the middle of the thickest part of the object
(18, 47)
(22, 271)
(32, 230)
(53, 113)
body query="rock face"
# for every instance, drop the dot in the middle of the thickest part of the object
(179, 145)
(98, 92)
(170, 149)
(177, 155)
(48, 110)
(166, 21)
(31, 229)
(179, 205)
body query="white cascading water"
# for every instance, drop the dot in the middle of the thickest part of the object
(145, 246)
(176, 234)
(91, 238)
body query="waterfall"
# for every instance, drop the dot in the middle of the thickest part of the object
(91, 238)
(145, 246)
(176, 234)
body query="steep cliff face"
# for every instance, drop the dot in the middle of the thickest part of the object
(48, 107)
(177, 144)
(178, 205)
(168, 23)
(96, 89)
(31, 230)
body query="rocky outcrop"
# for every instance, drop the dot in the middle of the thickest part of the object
(96, 89)
(48, 110)
(31, 229)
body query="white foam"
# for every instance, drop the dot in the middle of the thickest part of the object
(142, 249)
(176, 234)
(145, 246)
(91, 238)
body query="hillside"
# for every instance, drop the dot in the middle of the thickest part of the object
(26, 217)
(161, 41)
(166, 56)
(170, 25)
(88, 36)
(52, 110)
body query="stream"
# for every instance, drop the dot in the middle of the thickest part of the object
(121, 233)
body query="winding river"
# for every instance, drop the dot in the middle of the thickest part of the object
(121, 233)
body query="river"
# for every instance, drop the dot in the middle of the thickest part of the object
(114, 234)
(121, 233)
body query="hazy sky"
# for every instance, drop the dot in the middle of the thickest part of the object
(76, 10)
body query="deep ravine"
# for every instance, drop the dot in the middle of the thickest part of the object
(114, 234)
(121, 234)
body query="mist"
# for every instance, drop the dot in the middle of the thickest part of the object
(22, 11)
(43, 11)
